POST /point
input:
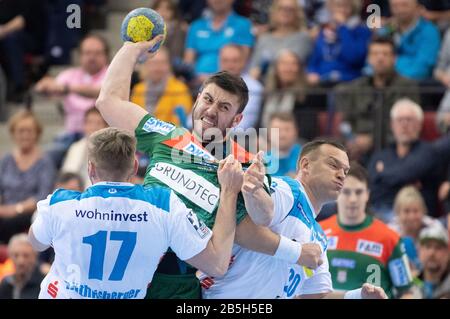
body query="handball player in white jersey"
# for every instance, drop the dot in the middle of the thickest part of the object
(109, 239)
(322, 168)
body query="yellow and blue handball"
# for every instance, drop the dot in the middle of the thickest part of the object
(143, 24)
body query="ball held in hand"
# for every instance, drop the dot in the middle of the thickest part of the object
(143, 24)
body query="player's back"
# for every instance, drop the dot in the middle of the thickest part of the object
(107, 240)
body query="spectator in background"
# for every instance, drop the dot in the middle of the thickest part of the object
(25, 282)
(79, 87)
(410, 218)
(340, 49)
(285, 91)
(76, 158)
(357, 240)
(434, 255)
(410, 214)
(23, 29)
(207, 35)
(365, 103)
(26, 175)
(287, 31)
(417, 40)
(232, 60)
(176, 28)
(284, 152)
(442, 74)
(407, 161)
(437, 12)
(160, 93)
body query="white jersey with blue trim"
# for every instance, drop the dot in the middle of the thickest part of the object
(253, 275)
(109, 239)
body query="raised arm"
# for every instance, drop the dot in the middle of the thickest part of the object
(215, 258)
(113, 101)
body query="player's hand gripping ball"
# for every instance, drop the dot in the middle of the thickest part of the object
(143, 24)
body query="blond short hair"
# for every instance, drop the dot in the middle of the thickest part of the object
(23, 115)
(112, 151)
(406, 196)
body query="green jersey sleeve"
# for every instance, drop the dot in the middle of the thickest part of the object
(150, 132)
(399, 270)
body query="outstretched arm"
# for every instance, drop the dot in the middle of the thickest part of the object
(113, 101)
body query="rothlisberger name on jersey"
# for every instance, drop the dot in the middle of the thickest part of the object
(109, 239)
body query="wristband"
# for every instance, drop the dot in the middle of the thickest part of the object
(353, 294)
(288, 250)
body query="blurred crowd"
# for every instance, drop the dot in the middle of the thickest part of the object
(378, 83)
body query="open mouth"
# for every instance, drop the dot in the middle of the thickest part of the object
(208, 122)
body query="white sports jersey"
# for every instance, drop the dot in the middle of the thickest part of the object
(109, 239)
(256, 275)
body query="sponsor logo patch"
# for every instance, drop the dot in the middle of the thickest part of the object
(369, 248)
(196, 150)
(192, 186)
(400, 274)
(343, 263)
(158, 126)
(198, 225)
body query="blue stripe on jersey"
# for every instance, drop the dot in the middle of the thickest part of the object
(157, 195)
(303, 212)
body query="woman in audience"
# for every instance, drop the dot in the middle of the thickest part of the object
(26, 176)
(285, 92)
(410, 218)
(287, 32)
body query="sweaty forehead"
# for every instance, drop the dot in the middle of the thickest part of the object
(220, 95)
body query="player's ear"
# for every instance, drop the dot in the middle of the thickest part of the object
(304, 165)
(135, 167)
(91, 171)
(237, 119)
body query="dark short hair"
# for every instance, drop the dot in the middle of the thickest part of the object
(358, 172)
(312, 146)
(99, 38)
(230, 83)
(383, 40)
(65, 177)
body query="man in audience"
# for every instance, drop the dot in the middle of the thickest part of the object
(25, 282)
(79, 87)
(434, 256)
(365, 102)
(417, 40)
(207, 35)
(407, 161)
(233, 60)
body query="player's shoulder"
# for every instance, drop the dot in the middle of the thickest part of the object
(329, 223)
(284, 183)
(62, 195)
(152, 124)
(157, 195)
(384, 232)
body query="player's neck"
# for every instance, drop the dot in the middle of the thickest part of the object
(315, 202)
(352, 221)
